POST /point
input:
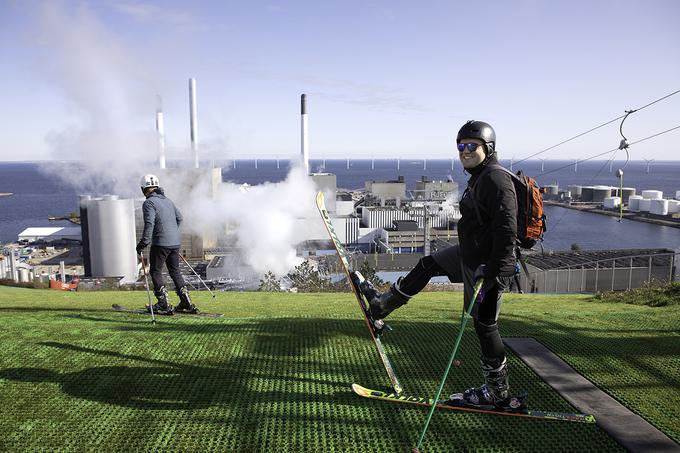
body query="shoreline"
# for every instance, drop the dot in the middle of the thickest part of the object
(596, 209)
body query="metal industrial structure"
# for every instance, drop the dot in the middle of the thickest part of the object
(598, 270)
(110, 237)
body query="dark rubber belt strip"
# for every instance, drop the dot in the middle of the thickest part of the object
(628, 429)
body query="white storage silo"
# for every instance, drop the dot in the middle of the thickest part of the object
(23, 275)
(677, 195)
(634, 203)
(652, 194)
(612, 202)
(111, 231)
(673, 206)
(658, 206)
(645, 204)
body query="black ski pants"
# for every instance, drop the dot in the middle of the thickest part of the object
(158, 256)
(485, 314)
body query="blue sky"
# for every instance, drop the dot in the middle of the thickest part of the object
(383, 78)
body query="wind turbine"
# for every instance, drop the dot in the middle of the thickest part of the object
(648, 161)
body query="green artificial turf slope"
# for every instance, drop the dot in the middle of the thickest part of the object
(274, 373)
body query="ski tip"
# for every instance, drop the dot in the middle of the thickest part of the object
(359, 390)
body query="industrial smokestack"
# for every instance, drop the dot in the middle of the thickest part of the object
(194, 121)
(305, 138)
(160, 130)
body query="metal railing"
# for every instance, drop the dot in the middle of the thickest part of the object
(603, 275)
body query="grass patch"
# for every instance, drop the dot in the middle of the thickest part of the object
(274, 373)
(653, 295)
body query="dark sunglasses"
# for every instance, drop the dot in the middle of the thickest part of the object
(471, 147)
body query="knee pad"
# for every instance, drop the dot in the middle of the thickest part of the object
(427, 262)
(486, 330)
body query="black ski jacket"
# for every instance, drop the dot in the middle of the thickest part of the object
(491, 242)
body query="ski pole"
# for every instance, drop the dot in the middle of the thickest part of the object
(148, 291)
(196, 274)
(463, 322)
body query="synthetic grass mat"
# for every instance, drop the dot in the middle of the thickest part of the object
(274, 374)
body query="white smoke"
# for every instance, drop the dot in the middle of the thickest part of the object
(266, 220)
(110, 95)
(112, 142)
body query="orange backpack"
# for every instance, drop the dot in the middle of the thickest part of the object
(531, 220)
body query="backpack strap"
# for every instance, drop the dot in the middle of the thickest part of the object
(521, 260)
(472, 188)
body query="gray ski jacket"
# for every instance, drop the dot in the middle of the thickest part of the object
(161, 221)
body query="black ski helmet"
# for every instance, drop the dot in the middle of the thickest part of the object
(479, 130)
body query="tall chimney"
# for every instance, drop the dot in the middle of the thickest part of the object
(160, 130)
(194, 121)
(305, 137)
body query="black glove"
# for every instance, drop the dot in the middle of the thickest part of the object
(480, 272)
(141, 246)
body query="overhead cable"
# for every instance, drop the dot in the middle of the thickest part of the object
(598, 127)
(607, 152)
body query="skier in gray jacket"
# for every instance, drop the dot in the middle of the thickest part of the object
(161, 231)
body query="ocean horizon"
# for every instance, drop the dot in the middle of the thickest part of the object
(36, 196)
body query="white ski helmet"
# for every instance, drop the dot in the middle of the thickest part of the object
(149, 181)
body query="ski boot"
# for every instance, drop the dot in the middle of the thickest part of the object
(185, 305)
(380, 304)
(162, 307)
(494, 394)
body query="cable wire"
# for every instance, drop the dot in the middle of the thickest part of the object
(578, 161)
(559, 220)
(598, 127)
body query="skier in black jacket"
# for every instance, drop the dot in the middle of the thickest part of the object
(161, 231)
(485, 250)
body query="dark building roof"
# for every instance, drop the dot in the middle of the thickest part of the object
(589, 258)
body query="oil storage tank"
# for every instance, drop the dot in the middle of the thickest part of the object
(658, 206)
(652, 194)
(575, 191)
(111, 238)
(550, 191)
(673, 206)
(645, 204)
(634, 203)
(600, 193)
(626, 193)
(587, 193)
(611, 202)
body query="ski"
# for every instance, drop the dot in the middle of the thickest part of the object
(520, 412)
(144, 311)
(373, 328)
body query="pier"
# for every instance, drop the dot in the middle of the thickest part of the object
(637, 216)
